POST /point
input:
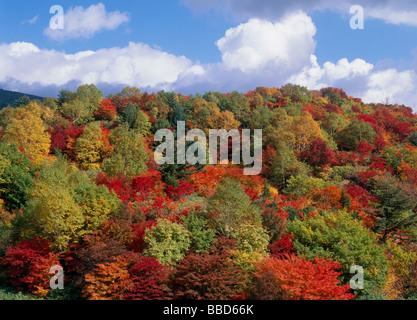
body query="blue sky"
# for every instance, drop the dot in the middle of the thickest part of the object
(195, 46)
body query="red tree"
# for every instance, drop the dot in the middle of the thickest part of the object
(319, 154)
(28, 263)
(302, 279)
(107, 110)
(149, 280)
(210, 276)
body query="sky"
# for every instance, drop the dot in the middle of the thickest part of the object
(196, 46)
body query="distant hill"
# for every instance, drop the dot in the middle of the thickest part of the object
(8, 97)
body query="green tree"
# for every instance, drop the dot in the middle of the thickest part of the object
(298, 94)
(285, 165)
(230, 206)
(202, 236)
(16, 176)
(354, 133)
(90, 96)
(129, 156)
(396, 210)
(342, 238)
(167, 242)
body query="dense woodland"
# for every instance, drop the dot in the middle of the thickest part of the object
(79, 188)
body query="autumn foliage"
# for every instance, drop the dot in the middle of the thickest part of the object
(80, 188)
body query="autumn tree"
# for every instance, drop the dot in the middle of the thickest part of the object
(342, 238)
(354, 133)
(27, 265)
(230, 206)
(109, 281)
(296, 278)
(106, 111)
(129, 156)
(91, 149)
(149, 280)
(167, 241)
(319, 154)
(28, 132)
(208, 276)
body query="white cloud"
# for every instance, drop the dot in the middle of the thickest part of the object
(399, 87)
(31, 21)
(315, 77)
(84, 23)
(360, 79)
(394, 15)
(136, 64)
(255, 44)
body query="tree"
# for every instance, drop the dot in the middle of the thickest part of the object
(107, 110)
(167, 241)
(54, 214)
(16, 176)
(333, 122)
(319, 154)
(354, 133)
(142, 124)
(209, 276)
(296, 278)
(90, 147)
(230, 206)
(149, 279)
(74, 110)
(396, 213)
(90, 96)
(342, 238)
(298, 94)
(28, 132)
(202, 235)
(64, 205)
(285, 165)
(28, 263)
(129, 156)
(96, 202)
(109, 281)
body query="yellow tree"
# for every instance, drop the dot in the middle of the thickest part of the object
(91, 147)
(297, 132)
(28, 132)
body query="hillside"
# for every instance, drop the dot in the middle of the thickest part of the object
(9, 97)
(336, 198)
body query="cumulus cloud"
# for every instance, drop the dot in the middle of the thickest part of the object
(82, 22)
(256, 53)
(398, 87)
(285, 44)
(360, 79)
(137, 64)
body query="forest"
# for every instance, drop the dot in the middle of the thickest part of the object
(80, 189)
